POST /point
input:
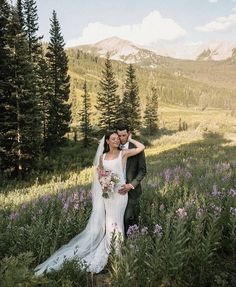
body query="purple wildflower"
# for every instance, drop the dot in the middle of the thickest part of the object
(66, 206)
(133, 230)
(233, 210)
(158, 230)
(14, 216)
(167, 175)
(232, 192)
(188, 175)
(215, 191)
(216, 210)
(182, 213)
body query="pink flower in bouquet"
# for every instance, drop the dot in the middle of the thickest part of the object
(108, 180)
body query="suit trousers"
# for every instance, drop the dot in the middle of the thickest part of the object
(131, 213)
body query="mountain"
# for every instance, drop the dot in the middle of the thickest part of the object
(123, 50)
(156, 54)
(216, 51)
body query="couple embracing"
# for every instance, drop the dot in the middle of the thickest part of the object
(119, 168)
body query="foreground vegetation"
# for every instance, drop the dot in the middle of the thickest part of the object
(187, 227)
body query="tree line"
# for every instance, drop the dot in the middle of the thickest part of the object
(34, 88)
(114, 109)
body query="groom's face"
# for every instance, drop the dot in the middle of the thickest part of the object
(123, 136)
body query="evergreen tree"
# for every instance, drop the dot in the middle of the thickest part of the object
(19, 6)
(31, 28)
(59, 116)
(85, 114)
(8, 120)
(130, 107)
(151, 112)
(44, 90)
(35, 53)
(107, 99)
(25, 105)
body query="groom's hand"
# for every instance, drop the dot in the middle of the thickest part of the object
(125, 188)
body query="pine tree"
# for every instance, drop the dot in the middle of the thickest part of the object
(44, 90)
(31, 28)
(85, 114)
(26, 109)
(151, 112)
(35, 53)
(19, 6)
(130, 107)
(8, 120)
(59, 86)
(107, 99)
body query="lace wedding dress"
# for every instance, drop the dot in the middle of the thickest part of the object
(93, 244)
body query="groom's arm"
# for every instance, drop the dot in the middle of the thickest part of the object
(142, 170)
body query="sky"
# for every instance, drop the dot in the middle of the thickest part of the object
(142, 22)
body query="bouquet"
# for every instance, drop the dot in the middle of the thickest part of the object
(108, 180)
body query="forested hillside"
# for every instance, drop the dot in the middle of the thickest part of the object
(187, 83)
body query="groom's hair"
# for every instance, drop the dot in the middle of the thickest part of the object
(122, 127)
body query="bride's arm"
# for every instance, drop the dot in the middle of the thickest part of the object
(133, 151)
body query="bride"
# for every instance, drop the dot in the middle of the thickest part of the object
(92, 245)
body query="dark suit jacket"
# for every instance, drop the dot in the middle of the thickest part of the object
(135, 172)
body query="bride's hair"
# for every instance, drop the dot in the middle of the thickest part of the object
(107, 136)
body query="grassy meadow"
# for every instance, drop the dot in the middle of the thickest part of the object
(187, 228)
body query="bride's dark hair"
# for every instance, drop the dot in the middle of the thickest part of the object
(107, 136)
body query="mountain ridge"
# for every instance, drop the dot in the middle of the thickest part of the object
(130, 53)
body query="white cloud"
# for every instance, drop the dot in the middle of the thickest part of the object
(234, 9)
(153, 27)
(213, 1)
(220, 24)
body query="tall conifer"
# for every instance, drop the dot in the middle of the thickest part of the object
(85, 126)
(59, 86)
(130, 107)
(8, 119)
(107, 99)
(151, 112)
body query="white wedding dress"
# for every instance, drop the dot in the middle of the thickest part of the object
(93, 244)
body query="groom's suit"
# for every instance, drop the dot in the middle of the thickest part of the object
(135, 172)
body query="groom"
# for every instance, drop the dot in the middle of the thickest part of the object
(135, 172)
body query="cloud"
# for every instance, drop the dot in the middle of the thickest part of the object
(153, 27)
(234, 9)
(220, 24)
(213, 1)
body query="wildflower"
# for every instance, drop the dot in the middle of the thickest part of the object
(162, 207)
(158, 230)
(215, 191)
(216, 210)
(76, 206)
(188, 175)
(14, 216)
(182, 213)
(144, 230)
(232, 192)
(133, 230)
(167, 175)
(233, 210)
(66, 206)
